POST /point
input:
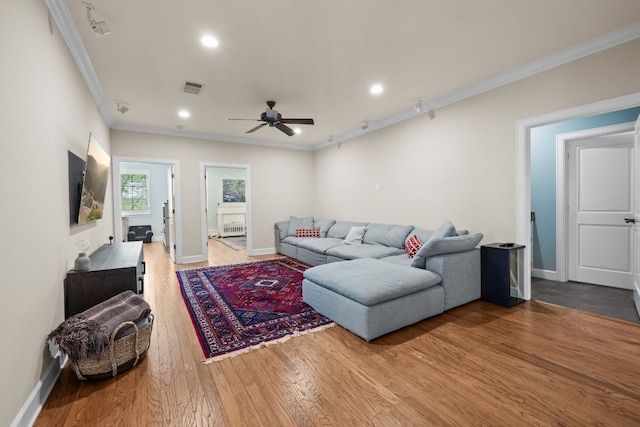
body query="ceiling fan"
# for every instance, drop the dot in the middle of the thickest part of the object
(274, 119)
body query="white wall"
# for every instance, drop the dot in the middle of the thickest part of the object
(45, 110)
(281, 180)
(461, 165)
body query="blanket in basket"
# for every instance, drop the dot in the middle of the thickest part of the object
(87, 333)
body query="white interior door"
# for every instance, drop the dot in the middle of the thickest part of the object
(172, 213)
(601, 194)
(636, 216)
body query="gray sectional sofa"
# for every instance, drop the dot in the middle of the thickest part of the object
(369, 283)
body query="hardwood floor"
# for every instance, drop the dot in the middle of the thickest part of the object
(480, 364)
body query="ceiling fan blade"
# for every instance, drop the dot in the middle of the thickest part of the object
(297, 121)
(253, 120)
(284, 128)
(256, 128)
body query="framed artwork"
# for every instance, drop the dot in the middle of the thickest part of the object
(233, 191)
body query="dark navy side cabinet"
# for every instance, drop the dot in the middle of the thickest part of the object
(502, 273)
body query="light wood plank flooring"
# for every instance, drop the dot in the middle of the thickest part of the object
(480, 364)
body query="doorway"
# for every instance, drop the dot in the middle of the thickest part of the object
(525, 127)
(162, 201)
(226, 198)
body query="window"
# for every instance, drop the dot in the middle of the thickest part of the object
(134, 192)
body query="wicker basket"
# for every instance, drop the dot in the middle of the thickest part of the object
(121, 354)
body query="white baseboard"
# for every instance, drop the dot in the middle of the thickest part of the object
(636, 299)
(192, 259)
(544, 274)
(32, 407)
(263, 251)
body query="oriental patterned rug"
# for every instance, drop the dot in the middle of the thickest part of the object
(240, 307)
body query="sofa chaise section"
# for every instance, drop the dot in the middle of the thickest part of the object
(371, 298)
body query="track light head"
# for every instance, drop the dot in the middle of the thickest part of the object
(100, 28)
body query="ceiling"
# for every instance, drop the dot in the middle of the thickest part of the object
(318, 59)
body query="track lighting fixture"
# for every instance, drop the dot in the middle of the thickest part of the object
(418, 106)
(365, 125)
(100, 28)
(121, 108)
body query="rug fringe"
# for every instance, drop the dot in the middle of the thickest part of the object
(266, 344)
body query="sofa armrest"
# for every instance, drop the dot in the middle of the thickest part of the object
(460, 274)
(280, 230)
(131, 236)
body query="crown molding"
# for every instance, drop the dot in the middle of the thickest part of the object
(208, 136)
(63, 19)
(66, 25)
(557, 59)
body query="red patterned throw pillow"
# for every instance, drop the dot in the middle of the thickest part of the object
(412, 246)
(308, 232)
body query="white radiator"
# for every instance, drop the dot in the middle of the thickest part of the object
(232, 221)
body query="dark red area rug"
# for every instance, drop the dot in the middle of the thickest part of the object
(240, 307)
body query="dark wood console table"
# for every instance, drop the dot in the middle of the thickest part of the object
(114, 268)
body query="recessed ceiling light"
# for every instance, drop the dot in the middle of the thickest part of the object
(184, 114)
(376, 89)
(297, 130)
(209, 41)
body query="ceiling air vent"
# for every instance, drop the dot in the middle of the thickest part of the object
(192, 88)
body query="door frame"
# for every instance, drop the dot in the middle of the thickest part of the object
(117, 210)
(203, 203)
(523, 161)
(562, 189)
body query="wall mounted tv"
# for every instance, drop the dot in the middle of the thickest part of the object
(76, 179)
(94, 186)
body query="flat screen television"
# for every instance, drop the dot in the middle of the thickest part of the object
(94, 187)
(77, 167)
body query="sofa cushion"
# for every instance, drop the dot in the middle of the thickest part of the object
(295, 223)
(445, 245)
(340, 229)
(387, 234)
(320, 245)
(308, 232)
(445, 230)
(293, 240)
(401, 259)
(283, 229)
(369, 281)
(347, 252)
(355, 236)
(324, 226)
(412, 246)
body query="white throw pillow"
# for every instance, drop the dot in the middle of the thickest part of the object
(355, 235)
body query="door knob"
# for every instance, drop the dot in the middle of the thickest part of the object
(630, 220)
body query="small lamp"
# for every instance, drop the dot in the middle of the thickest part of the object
(83, 262)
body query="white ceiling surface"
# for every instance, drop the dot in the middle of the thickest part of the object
(318, 59)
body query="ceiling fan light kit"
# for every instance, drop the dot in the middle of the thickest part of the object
(272, 118)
